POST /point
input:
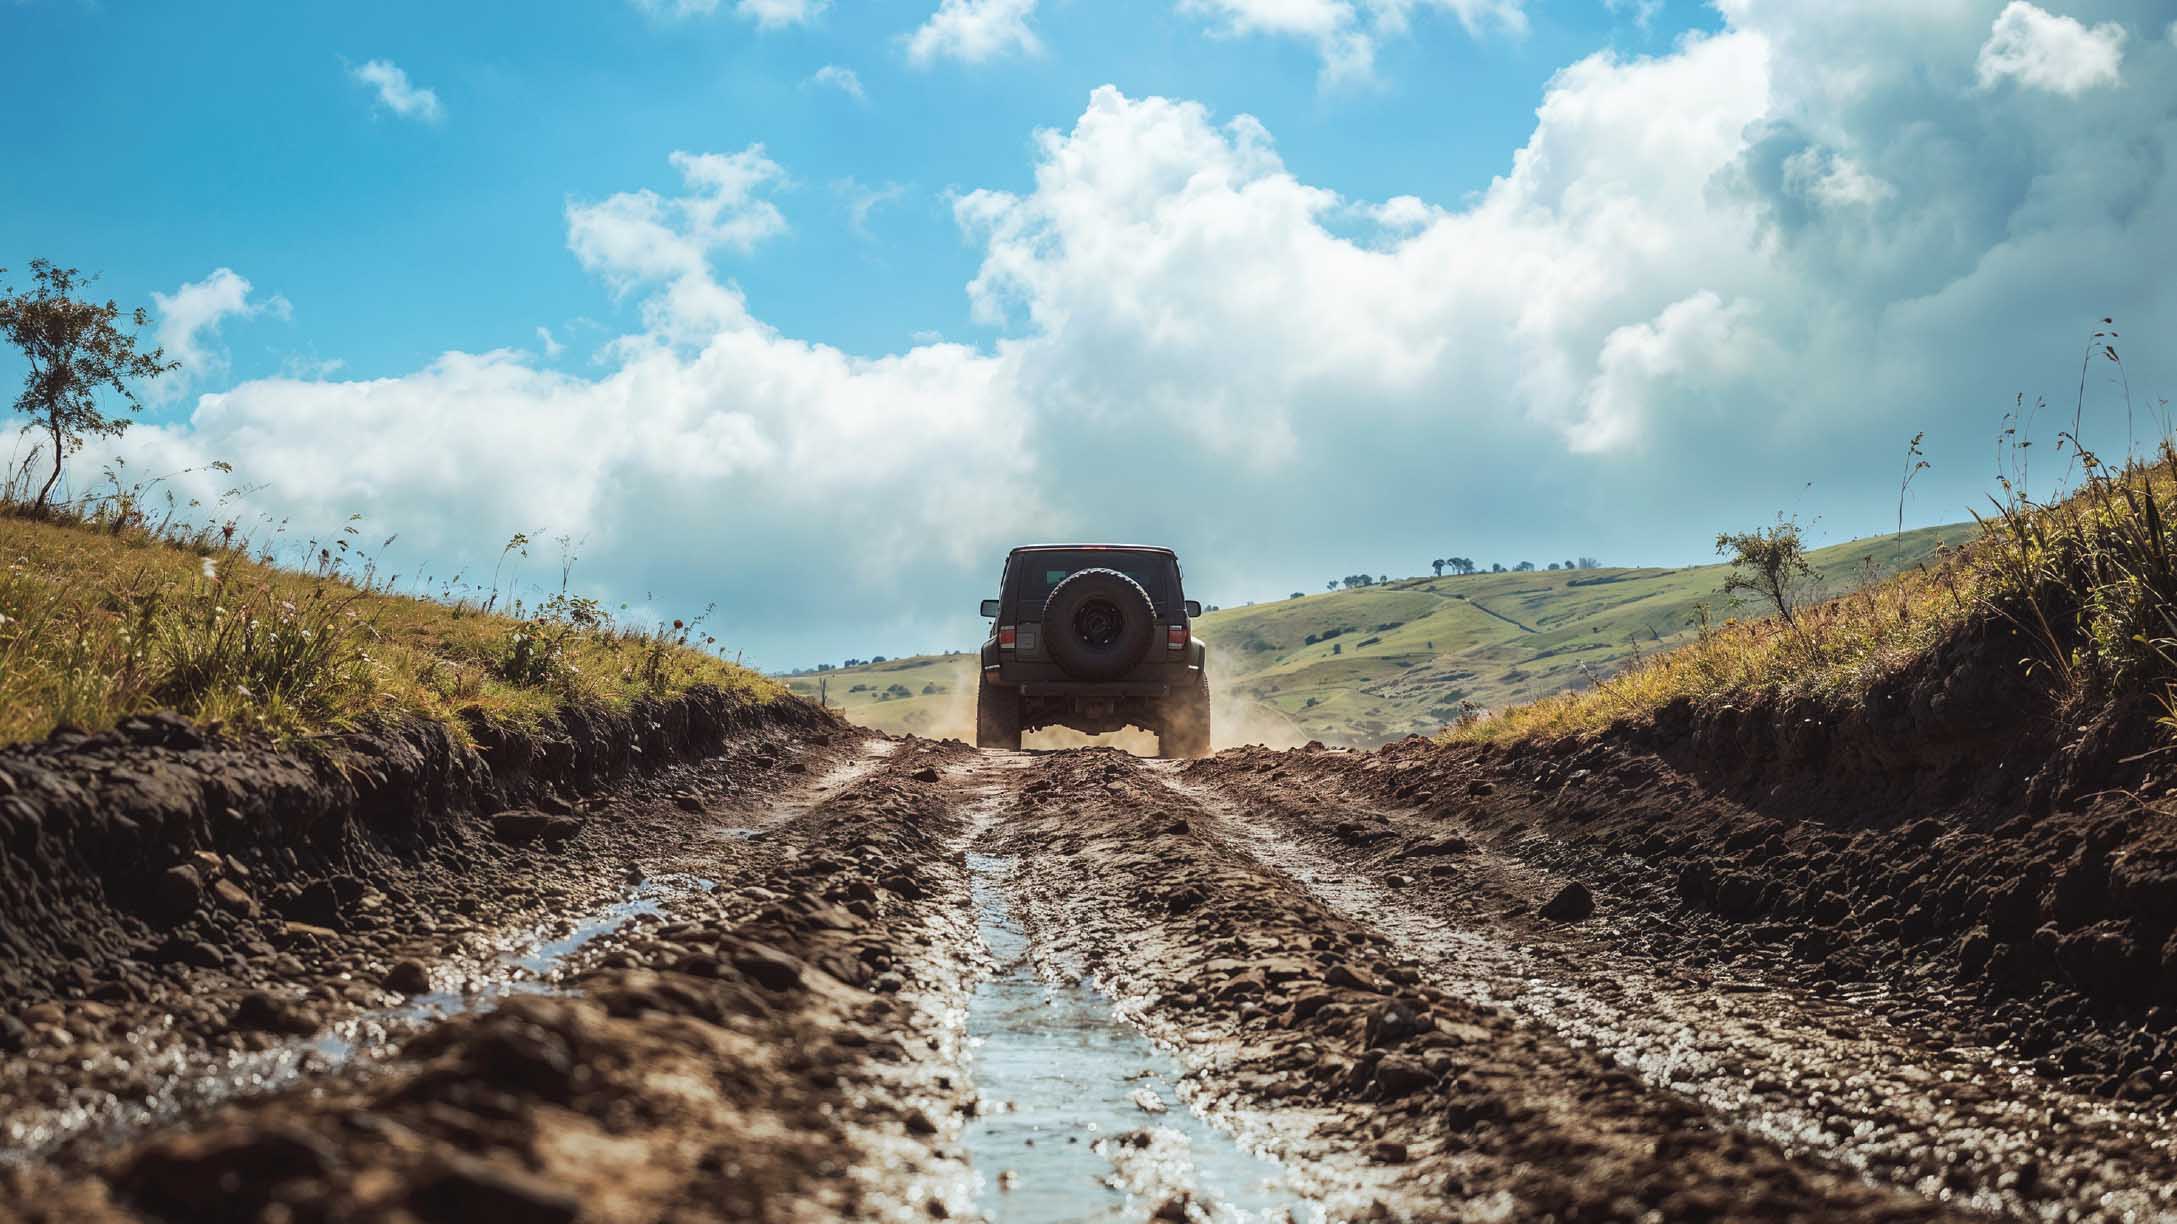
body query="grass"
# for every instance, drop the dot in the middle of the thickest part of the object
(1405, 656)
(2090, 579)
(104, 613)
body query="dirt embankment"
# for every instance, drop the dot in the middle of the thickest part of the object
(769, 1048)
(1956, 832)
(152, 845)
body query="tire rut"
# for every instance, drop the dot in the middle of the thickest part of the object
(1955, 1123)
(783, 1047)
(1318, 1040)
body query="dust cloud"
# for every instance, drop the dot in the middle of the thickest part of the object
(1235, 720)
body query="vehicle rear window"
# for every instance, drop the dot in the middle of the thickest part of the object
(1035, 574)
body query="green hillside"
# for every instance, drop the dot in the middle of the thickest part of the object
(1370, 664)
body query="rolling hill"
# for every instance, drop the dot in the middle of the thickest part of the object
(1369, 664)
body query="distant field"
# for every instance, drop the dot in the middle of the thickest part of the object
(1399, 657)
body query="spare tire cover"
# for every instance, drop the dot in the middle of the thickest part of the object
(1097, 624)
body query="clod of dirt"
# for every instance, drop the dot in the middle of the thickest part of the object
(409, 977)
(522, 826)
(262, 1012)
(225, 1170)
(927, 773)
(771, 970)
(1391, 1024)
(463, 1187)
(1399, 1075)
(1572, 903)
(180, 891)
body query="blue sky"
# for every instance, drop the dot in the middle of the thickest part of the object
(235, 135)
(1299, 286)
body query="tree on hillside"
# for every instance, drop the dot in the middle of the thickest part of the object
(1332, 585)
(74, 350)
(1296, 595)
(1524, 567)
(1438, 566)
(1590, 563)
(1496, 567)
(1460, 565)
(1769, 562)
(1553, 567)
(1570, 565)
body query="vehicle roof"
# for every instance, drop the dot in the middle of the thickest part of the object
(1140, 548)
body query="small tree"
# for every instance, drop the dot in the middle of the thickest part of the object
(1438, 566)
(1769, 562)
(1524, 567)
(73, 349)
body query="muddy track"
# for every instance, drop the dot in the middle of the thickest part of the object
(816, 976)
(1896, 1091)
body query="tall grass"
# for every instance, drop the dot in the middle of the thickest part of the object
(116, 603)
(2088, 577)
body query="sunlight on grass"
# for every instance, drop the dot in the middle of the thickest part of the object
(2090, 580)
(106, 615)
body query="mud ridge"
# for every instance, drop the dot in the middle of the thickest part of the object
(157, 843)
(784, 1046)
(1356, 1066)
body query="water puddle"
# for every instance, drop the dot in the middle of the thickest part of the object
(1081, 1118)
(160, 1079)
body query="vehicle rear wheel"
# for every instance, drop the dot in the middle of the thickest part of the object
(997, 716)
(1183, 730)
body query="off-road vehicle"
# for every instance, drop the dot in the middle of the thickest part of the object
(1096, 637)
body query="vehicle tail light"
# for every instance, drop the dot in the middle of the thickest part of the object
(1006, 638)
(1175, 638)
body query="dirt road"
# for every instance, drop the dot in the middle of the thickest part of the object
(827, 976)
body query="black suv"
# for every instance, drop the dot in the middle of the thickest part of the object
(1096, 637)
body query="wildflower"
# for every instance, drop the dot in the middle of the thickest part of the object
(210, 569)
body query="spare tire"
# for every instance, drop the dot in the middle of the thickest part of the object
(1097, 624)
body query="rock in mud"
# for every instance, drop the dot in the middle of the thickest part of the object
(233, 899)
(1390, 1025)
(263, 1012)
(523, 826)
(409, 977)
(1572, 903)
(927, 773)
(180, 891)
(1400, 1075)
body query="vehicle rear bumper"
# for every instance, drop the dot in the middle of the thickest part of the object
(1087, 688)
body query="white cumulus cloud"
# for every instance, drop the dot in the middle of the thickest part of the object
(767, 14)
(188, 325)
(974, 31)
(1346, 33)
(397, 94)
(845, 80)
(2043, 50)
(1763, 257)
(640, 239)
